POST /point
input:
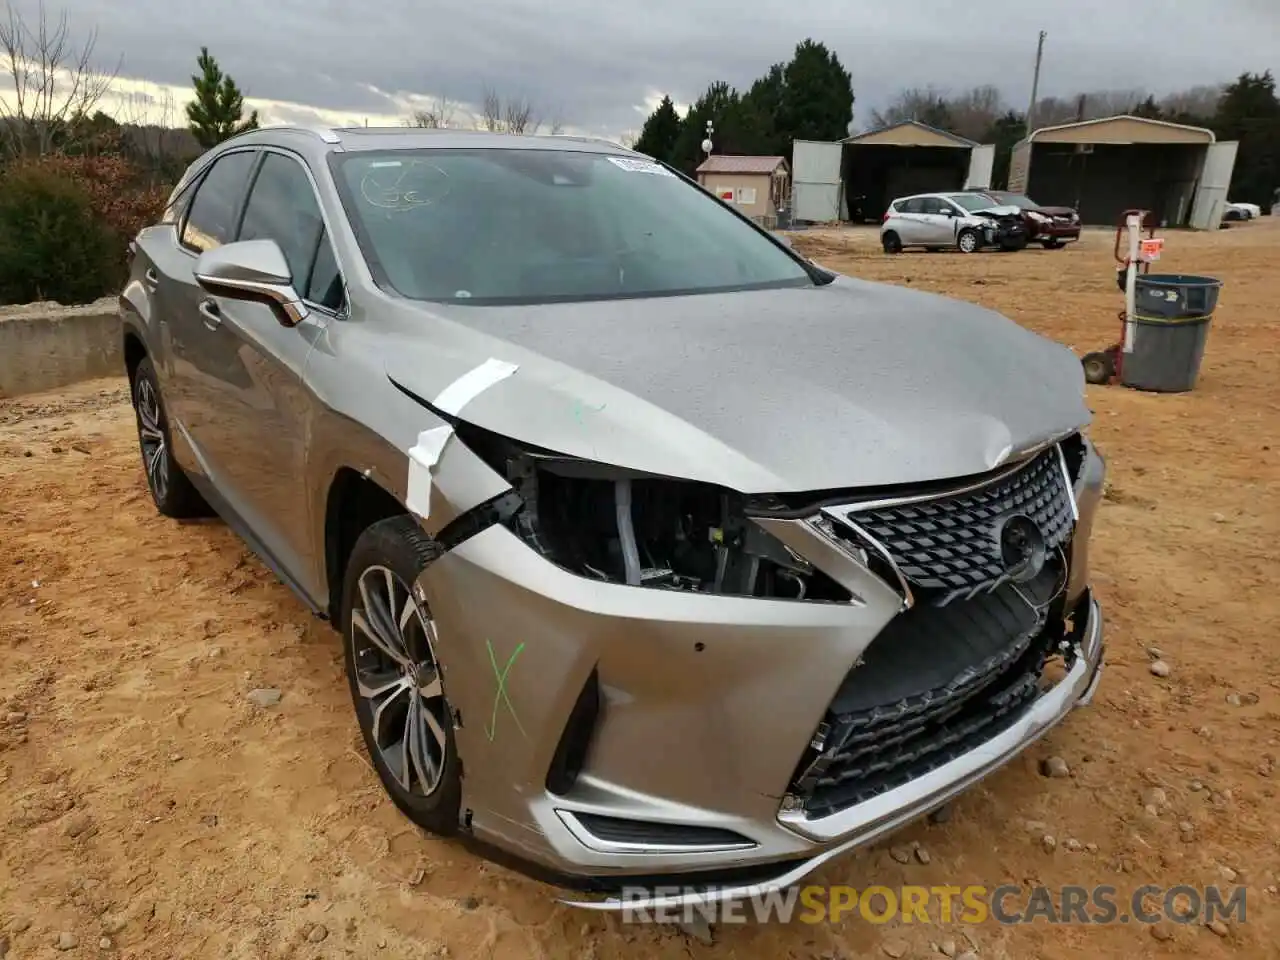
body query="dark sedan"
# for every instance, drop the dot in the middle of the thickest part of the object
(1051, 227)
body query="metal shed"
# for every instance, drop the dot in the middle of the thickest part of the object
(859, 176)
(1106, 166)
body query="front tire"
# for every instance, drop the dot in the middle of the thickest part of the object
(967, 241)
(170, 488)
(396, 681)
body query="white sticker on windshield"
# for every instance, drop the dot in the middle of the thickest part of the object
(383, 163)
(640, 166)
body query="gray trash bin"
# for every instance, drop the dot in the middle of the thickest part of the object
(1171, 324)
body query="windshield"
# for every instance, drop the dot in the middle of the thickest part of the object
(971, 201)
(485, 226)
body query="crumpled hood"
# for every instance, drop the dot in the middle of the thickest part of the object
(845, 385)
(1000, 210)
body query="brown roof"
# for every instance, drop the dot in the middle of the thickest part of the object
(721, 163)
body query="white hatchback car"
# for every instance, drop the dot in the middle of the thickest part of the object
(964, 221)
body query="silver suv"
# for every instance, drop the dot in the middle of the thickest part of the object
(658, 553)
(966, 222)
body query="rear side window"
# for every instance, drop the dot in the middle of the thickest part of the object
(914, 205)
(283, 207)
(212, 219)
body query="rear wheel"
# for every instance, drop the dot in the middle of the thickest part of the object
(397, 684)
(1099, 366)
(891, 242)
(967, 242)
(170, 488)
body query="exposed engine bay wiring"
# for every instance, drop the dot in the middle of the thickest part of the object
(647, 531)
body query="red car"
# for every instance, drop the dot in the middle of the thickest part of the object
(1051, 227)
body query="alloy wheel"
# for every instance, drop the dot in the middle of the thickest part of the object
(968, 242)
(155, 459)
(398, 677)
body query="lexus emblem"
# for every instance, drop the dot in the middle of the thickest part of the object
(1022, 548)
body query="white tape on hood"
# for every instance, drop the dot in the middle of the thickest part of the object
(426, 453)
(470, 385)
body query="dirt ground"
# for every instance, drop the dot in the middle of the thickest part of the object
(145, 800)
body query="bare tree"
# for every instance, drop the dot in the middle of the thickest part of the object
(437, 116)
(491, 111)
(511, 115)
(926, 105)
(1198, 101)
(973, 112)
(155, 142)
(54, 82)
(517, 117)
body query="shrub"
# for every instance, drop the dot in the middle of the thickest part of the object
(52, 244)
(118, 193)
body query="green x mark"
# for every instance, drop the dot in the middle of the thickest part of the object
(501, 695)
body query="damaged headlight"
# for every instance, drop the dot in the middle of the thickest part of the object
(626, 527)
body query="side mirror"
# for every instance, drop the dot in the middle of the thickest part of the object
(252, 270)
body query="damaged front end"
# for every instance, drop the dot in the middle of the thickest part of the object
(1004, 227)
(626, 527)
(724, 691)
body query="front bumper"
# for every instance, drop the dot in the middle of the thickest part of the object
(867, 822)
(703, 704)
(1064, 232)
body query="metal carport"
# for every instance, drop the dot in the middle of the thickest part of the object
(859, 176)
(906, 158)
(1106, 166)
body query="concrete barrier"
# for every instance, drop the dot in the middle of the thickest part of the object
(44, 346)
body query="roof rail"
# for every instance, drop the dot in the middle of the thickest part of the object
(588, 139)
(327, 134)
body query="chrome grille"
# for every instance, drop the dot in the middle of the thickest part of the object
(950, 544)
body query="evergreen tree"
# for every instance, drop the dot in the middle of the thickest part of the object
(1004, 133)
(215, 113)
(761, 107)
(719, 104)
(817, 96)
(1249, 112)
(660, 133)
(1148, 109)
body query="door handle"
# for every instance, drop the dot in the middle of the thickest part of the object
(211, 313)
(151, 278)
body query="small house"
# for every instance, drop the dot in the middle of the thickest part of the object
(758, 186)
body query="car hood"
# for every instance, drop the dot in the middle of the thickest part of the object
(999, 210)
(849, 384)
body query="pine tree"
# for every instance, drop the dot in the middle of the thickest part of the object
(1249, 112)
(817, 95)
(215, 113)
(660, 133)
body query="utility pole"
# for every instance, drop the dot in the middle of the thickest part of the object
(1035, 83)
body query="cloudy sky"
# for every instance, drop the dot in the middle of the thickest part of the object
(600, 66)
